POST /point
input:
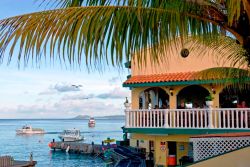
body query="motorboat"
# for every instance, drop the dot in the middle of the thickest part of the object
(71, 135)
(27, 129)
(91, 122)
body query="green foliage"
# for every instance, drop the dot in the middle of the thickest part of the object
(209, 97)
(104, 32)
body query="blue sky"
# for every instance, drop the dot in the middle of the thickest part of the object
(47, 92)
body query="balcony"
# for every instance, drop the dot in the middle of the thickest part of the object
(228, 119)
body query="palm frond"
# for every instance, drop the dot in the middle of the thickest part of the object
(225, 50)
(109, 34)
(95, 30)
(61, 3)
(233, 77)
(231, 8)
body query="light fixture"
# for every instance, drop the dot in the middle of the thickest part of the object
(213, 89)
(126, 103)
(171, 91)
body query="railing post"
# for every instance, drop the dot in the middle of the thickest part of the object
(126, 118)
(166, 118)
(210, 117)
(127, 106)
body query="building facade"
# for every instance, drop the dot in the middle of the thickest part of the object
(168, 104)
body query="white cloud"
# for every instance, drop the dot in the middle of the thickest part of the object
(21, 94)
(116, 93)
(61, 88)
(64, 87)
(80, 96)
(48, 92)
(63, 109)
(113, 80)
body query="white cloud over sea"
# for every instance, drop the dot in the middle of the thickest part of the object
(38, 94)
(63, 109)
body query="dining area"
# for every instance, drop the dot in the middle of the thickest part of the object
(226, 118)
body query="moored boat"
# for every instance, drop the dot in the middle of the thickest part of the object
(71, 135)
(91, 122)
(27, 129)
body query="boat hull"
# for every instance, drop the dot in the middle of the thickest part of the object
(91, 124)
(21, 132)
(70, 139)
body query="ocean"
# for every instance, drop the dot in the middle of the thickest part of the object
(20, 146)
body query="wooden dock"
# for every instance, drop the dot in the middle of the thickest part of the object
(77, 147)
(24, 164)
(8, 161)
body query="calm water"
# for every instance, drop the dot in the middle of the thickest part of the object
(20, 146)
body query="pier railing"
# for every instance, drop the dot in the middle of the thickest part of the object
(226, 118)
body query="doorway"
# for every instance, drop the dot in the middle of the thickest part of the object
(172, 153)
(150, 159)
(171, 148)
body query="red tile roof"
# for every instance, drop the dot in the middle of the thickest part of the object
(168, 77)
(239, 134)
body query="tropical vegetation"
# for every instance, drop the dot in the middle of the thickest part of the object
(209, 97)
(97, 32)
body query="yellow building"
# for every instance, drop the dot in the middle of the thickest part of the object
(168, 105)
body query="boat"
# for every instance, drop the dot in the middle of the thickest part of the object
(71, 135)
(91, 122)
(27, 129)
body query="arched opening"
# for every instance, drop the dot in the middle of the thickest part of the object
(192, 97)
(154, 97)
(232, 97)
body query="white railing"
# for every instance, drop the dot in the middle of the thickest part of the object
(230, 118)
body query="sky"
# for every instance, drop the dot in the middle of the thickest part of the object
(54, 91)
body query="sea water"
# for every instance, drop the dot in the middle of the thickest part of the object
(20, 146)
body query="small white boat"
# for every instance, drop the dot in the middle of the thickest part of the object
(27, 129)
(71, 135)
(91, 122)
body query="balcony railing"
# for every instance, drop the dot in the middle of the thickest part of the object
(229, 118)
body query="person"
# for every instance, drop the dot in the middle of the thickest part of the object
(164, 106)
(196, 105)
(242, 104)
(243, 116)
(182, 105)
(156, 107)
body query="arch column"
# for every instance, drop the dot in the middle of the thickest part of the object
(135, 94)
(143, 100)
(173, 101)
(216, 100)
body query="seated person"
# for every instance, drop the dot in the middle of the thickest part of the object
(182, 105)
(242, 105)
(156, 107)
(164, 106)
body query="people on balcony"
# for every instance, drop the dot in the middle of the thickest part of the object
(164, 106)
(182, 105)
(156, 107)
(242, 104)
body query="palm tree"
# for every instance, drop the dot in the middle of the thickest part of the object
(97, 32)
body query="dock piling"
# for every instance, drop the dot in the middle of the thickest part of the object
(77, 147)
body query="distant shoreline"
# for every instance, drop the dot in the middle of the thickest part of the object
(79, 117)
(86, 117)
